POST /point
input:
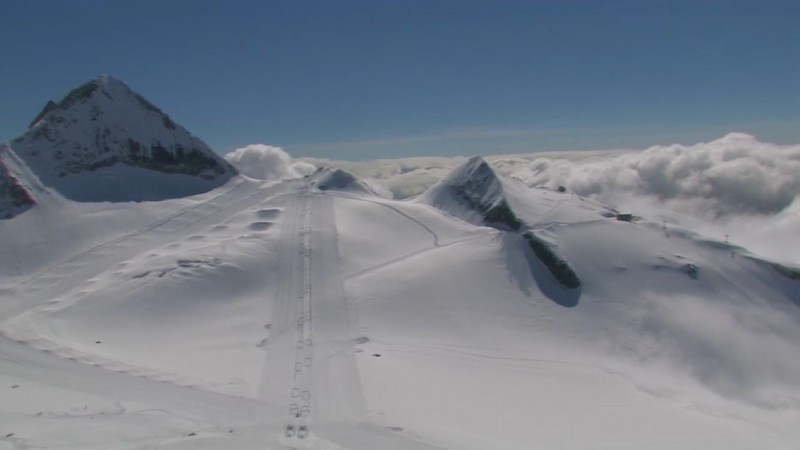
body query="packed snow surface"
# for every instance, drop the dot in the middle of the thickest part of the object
(278, 314)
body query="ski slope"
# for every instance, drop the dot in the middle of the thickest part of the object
(282, 315)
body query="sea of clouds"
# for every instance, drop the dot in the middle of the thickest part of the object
(730, 176)
(735, 186)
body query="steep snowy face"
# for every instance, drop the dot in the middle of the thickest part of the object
(14, 197)
(473, 192)
(104, 128)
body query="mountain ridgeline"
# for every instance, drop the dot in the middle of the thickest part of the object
(104, 142)
(475, 193)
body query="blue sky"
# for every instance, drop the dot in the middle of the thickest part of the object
(377, 79)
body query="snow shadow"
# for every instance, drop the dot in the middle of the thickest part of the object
(529, 273)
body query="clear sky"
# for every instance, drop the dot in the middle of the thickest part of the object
(375, 78)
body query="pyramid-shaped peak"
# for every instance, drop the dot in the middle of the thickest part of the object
(115, 89)
(475, 164)
(97, 94)
(475, 176)
(107, 80)
(476, 161)
(104, 126)
(473, 192)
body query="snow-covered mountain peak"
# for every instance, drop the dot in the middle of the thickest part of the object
(105, 142)
(473, 192)
(339, 180)
(477, 175)
(102, 91)
(109, 82)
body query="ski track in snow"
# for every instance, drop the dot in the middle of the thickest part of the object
(309, 372)
(313, 391)
(85, 372)
(436, 240)
(400, 259)
(398, 211)
(71, 273)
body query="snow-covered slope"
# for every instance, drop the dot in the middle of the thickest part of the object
(234, 318)
(104, 142)
(673, 340)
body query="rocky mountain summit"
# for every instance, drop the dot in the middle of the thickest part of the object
(104, 142)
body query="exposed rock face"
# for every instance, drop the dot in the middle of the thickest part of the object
(102, 124)
(473, 192)
(15, 199)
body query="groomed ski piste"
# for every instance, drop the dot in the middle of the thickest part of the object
(312, 314)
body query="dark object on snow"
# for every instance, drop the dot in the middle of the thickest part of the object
(562, 189)
(557, 266)
(625, 217)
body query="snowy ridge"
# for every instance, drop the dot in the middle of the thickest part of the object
(473, 193)
(330, 178)
(105, 129)
(277, 315)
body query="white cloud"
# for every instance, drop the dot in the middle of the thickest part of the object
(265, 162)
(734, 186)
(730, 176)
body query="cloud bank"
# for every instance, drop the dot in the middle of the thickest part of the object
(730, 176)
(265, 162)
(735, 186)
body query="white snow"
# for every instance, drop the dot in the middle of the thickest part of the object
(104, 142)
(213, 321)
